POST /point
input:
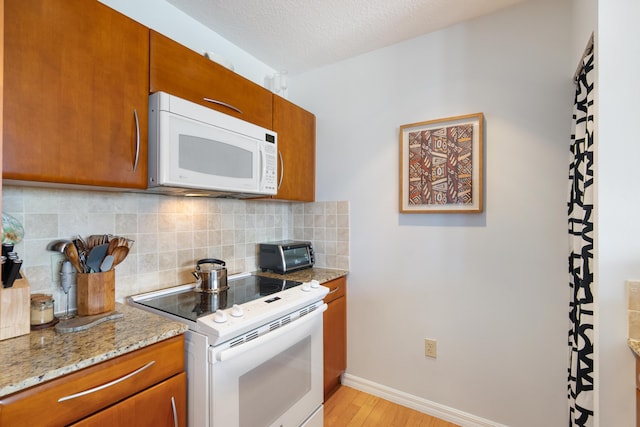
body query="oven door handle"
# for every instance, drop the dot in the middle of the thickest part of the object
(232, 352)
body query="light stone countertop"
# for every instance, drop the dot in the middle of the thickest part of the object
(634, 345)
(43, 355)
(320, 274)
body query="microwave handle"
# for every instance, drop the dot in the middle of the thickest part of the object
(135, 160)
(224, 104)
(281, 169)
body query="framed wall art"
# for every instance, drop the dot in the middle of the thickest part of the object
(441, 165)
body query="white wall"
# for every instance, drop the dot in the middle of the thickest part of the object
(618, 201)
(491, 288)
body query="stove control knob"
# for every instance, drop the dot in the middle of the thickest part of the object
(237, 311)
(306, 286)
(220, 317)
(315, 284)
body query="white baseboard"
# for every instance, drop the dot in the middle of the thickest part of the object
(421, 405)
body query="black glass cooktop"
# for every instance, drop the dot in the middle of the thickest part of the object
(194, 303)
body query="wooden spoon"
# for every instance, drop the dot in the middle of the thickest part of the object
(119, 254)
(71, 252)
(112, 245)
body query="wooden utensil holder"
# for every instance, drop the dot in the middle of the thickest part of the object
(15, 307)
(96, 293)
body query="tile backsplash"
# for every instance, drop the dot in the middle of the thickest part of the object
(170, 233)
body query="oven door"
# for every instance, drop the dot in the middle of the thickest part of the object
(273, 380)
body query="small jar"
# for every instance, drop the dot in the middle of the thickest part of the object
(41, 309)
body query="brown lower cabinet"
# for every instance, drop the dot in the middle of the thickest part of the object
(139, 388)
(335, 334)
(158, 406)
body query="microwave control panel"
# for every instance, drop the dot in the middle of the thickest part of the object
(270, 168)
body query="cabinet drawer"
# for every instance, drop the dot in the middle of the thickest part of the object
(180, 71)
(74, 396)
(163, 405)
(337, 289)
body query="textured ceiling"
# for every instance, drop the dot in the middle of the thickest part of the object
(299, 35)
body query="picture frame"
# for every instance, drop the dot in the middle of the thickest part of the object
(441, 165)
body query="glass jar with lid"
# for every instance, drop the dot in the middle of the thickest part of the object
(41, 309)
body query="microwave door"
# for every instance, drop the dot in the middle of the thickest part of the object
(206, 157)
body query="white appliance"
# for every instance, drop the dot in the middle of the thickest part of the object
(254, 352)
(196, 150)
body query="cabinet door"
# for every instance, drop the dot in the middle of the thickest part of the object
(163, 405)
(75, 94)
(180, 71)
(296, 129)
(335, 335)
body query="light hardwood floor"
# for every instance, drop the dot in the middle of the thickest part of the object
(348, 407)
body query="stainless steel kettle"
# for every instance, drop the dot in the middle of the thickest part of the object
(212, 278)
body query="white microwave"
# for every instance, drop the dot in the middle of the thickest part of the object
(194, 150)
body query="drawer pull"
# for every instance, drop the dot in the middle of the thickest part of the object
(175, 412)
(135, 161)
(224, 104)
(107, 385)
(333, 291)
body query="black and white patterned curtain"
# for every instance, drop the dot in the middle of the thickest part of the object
(581, 240)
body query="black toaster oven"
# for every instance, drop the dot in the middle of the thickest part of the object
(285, 256)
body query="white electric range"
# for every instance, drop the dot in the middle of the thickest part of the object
(254, 352)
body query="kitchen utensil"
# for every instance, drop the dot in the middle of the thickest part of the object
(58, 245)
(107, 263)
(71, 252)
(119, 254)
(67, 279)
(95, 257)
(81, 247)
(212, 278)
(13, 273)
(114, 243)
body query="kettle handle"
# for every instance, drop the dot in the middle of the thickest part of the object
(210, 261)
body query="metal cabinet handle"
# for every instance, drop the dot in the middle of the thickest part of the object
(107, 385)
(333, 291)
(224, 104)
(175, 412)
(281, 169)
(135, 161)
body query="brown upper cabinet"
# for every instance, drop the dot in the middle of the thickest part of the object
(76, 79)
(77, 75)
(182, 72)
(296, 129)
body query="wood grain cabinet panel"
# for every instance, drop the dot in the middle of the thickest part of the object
(72, 397)
(75, 94)
(182, 72)
(296, 129)
(163, 405)
(335, 334)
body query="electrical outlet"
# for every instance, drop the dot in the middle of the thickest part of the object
(430, 348)
(56, 266)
